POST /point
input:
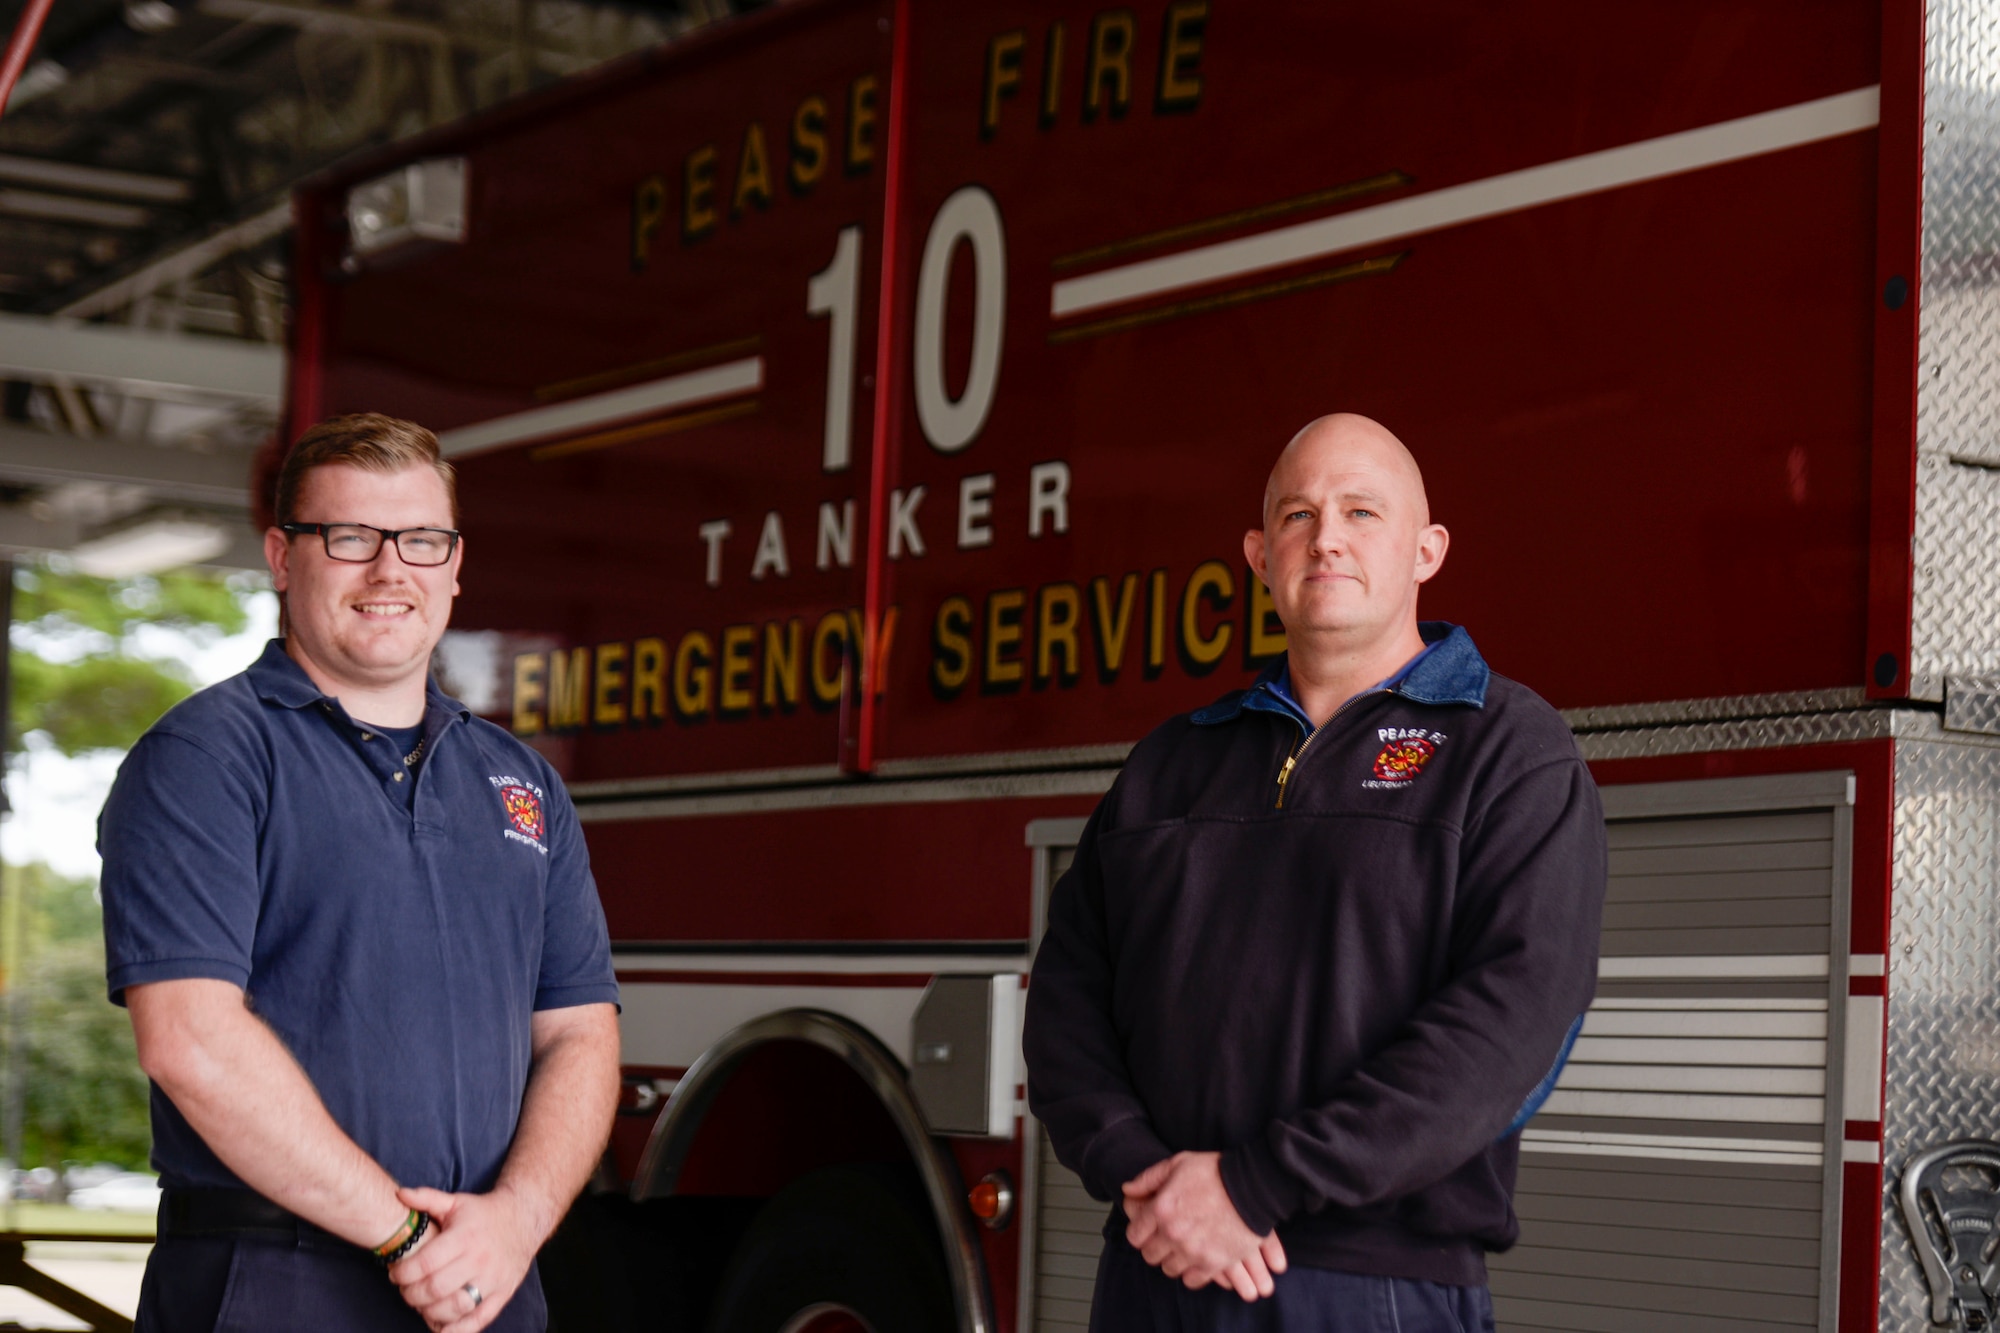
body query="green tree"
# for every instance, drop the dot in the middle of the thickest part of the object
(86, 1099)
(91, 670)
(82, 673)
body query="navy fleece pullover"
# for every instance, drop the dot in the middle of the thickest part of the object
(1346, 984)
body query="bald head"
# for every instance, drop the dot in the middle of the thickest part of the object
(1345, 542)
(1346, 442)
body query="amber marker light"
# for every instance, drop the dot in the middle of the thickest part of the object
(992, 1199)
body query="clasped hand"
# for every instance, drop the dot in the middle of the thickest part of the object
(1183, 1224)
(476, 1239)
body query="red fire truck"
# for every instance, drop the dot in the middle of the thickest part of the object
(858, 407)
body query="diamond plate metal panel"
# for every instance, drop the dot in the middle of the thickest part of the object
(1761, 733)
(1942, 1076)
(1671, 711)
(1972, 703)
(1957, 538)
(1953, 628)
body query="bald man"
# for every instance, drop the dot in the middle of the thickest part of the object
(1323, 947)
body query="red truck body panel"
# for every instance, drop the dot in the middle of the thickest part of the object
(1644, 411)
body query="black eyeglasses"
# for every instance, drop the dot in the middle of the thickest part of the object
(357, 543)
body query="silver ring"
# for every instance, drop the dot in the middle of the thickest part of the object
(473, 1292)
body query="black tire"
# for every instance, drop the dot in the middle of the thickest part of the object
(615, 1266)
(844, 1241)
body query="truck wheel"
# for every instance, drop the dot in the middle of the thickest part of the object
(847, 1249)
(615, 1266)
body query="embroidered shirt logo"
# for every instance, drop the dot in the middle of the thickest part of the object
(522, 800)
(1405, 751)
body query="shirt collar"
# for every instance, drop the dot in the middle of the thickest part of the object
(280, 680)
(1449, 670)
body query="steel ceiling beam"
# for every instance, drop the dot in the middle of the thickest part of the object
(69, 208)
(246, 550)
(329, 18)
(94, 180)
(156, 365)
(189, 261)
(30, 457)
(22, 533)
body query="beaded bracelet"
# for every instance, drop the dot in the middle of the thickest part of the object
(423, 1225)
(401, 1234)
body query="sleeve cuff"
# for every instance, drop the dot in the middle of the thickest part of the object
(569, 997)
(1121, 1152)
(1264, 1192)
(174, 969)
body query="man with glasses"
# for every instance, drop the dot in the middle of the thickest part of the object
(357, 933)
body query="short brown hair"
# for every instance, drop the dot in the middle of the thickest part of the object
(369, 441)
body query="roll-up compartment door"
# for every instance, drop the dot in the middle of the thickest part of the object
(1062, 1229)
(1678, 1177)
(1069, 1238)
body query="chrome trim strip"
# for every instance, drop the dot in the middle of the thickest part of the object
(1675, 726)
(836, 965)
(807, 775)
(1008, 761)
(613, 788)
(1079, 782)
(874, 952)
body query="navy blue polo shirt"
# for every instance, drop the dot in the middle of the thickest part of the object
(399, 947)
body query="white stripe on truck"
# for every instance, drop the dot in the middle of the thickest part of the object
(1570, 178)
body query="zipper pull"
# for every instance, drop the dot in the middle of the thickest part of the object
(1284, 776)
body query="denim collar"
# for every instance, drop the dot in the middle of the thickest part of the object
(1448, 671)
(281, 681)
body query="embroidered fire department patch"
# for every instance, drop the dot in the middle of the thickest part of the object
(524, 810)
(1401, 761)
(522, 800)
(1405, 751)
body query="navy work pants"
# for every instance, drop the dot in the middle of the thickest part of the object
(198, 1284)
(1134, 1297)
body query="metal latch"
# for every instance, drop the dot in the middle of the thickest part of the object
(1951, 1204)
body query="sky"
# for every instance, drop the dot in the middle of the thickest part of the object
(56, 798)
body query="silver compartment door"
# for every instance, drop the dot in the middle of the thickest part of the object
(1062, 1227)
(1677, 1179)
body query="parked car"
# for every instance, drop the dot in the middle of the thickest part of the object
(128, 1191)
(82, 1175)
(39, 1185)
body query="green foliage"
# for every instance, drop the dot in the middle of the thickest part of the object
(57, 909)
(86, 1097)
(81, 673)
(91, 670)
(95, 703)
(46, 599)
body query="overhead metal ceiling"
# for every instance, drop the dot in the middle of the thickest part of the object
(146, 160)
